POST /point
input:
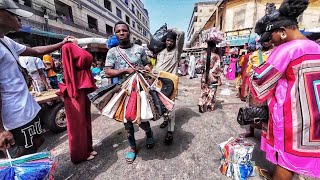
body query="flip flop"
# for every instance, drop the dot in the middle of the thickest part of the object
(130, 157)
(150, 143)
(263, 173)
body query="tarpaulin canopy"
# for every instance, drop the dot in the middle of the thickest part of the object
(29, 29)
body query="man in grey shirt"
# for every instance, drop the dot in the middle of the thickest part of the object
(167, 60)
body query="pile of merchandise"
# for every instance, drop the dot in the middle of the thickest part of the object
(138, 98)
(212, 34)
(38, 166)
(236, 158)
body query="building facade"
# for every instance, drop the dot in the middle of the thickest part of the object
(85, 18)
(237, 18)
(201, 13)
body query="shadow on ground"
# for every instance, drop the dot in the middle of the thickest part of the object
(182, 139)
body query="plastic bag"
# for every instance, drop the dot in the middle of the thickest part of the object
(112, 42)
(157, 43)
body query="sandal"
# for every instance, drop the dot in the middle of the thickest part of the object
(263, 173)
(150, 143)
(130, 157)
(164, 124)
(169, 138)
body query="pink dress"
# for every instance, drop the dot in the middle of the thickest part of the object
(290, 80)
(231, 71)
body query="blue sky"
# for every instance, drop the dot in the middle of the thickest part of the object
(176, 13)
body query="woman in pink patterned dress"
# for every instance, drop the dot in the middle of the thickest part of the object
(290, 81)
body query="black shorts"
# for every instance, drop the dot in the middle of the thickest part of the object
(25, 137)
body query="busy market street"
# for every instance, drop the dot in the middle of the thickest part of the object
(159, 89)
(194, 154)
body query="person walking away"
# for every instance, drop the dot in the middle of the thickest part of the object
(208, 90)
(116, 66)
(167, 60)
(183, 66)
(35, 68)
(78, 83)
(51, 74)
(192, 66)
(289, 80)
(231, 70)
(20, 124)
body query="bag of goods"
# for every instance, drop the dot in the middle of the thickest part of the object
(212, 34)
(236, 158)
(158, 40)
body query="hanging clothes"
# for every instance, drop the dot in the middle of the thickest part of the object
(78, 83)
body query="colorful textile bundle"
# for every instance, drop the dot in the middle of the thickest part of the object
(236, 158)
(234, 51)
(136, 99)
(212, 34)
(38, 166)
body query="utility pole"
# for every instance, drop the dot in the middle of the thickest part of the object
(46, 24)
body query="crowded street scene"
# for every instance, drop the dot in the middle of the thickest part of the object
(159, 89)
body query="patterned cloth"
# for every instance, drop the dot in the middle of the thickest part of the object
(290, 80)
(208, 91)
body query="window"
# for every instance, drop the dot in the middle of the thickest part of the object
(134, 24)
(107, 5)
(63, 11)
(119, 13)
(128, 19)
(93, 23)
(210, 10)
(200, 20)
(139, 28)
(126, 1)
(25, 2)
(200, 10)
(221, 22)
(144, 33)
(133, 10)
(134, 39)
(143, 20)
(109, 30)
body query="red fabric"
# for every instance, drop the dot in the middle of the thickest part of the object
(77, 74)
(78, 83)
(78, 114)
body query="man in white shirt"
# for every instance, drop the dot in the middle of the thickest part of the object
(35, 68)
(192, 66)
(19, 121)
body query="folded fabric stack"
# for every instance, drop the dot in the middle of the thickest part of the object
(236, 158)
(140, 97)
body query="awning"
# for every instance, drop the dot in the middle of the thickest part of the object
(29, 29)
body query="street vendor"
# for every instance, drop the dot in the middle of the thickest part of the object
(20, 124)
(116, 66)
(167, 60)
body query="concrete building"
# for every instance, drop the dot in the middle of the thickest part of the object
(237, 18)
(201, 13)
(84, 18)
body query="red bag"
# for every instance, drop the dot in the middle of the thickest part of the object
(131, 110)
